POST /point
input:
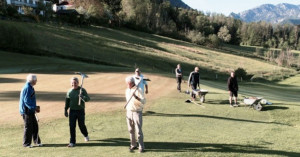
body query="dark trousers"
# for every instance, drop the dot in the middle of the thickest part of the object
(194, 87)
(31, 130)
(73, 117)
(179, 79)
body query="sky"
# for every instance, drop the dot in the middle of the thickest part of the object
(227, 6)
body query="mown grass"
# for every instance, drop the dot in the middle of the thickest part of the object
(153, 53)
(21, 63)
(171, 126)
(175, 128)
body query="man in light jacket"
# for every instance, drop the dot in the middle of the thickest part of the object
(136, 100)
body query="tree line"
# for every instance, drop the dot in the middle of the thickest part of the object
(160, 17)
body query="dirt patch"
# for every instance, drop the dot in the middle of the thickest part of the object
(106, 90)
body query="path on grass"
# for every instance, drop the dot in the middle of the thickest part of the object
(105, 89)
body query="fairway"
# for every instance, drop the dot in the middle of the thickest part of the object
(171, 126)
(106, 90)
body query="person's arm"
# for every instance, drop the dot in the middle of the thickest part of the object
(228, 84)
(189, 80)
(237, 86)
(199, 81)
(146, 86)
(139, 96)
(85, 95)
(67, 104)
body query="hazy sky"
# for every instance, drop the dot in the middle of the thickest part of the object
(228, 6)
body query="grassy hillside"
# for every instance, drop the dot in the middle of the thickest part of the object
(127, 48)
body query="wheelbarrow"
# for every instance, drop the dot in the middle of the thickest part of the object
(254, 102)
(201, 93)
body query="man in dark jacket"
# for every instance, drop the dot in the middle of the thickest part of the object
(77, 111)
(194, 81)
(27, 108)
(233, 89)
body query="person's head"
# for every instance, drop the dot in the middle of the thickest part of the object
(129, 81)
(178, 66)
(232, 74)
(137, 72)
(74, 82)
(196, 69)
(32, 79)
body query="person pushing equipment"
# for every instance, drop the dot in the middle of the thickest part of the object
(194, 81)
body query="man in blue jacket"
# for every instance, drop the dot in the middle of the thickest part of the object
(27, 109)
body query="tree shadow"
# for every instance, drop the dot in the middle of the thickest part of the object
(185, 147)
(151, 113)
(11, 80)
(60, 96)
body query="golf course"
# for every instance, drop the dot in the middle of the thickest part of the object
(171, 126)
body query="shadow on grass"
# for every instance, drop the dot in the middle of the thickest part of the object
(151, 113)
(271, 107)
(185, 147)
(60, 96)
(217, 102)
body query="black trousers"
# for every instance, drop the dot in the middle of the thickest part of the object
(179, 80)
(73, 117)
(194, 87)
(31, 130)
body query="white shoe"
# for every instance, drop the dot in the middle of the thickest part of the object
(39, 145)
(29, 146)
(86, 139)
(71, 145)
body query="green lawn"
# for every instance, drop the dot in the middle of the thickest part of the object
(153, 53)
(171, 126)
(175, 128)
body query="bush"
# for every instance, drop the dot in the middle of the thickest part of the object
(16, 39)
(214, 41)
(241, 73)
(196, 37)
(11, 11)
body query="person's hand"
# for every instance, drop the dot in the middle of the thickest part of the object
(66, 113)
(37, 109)
(146, 91)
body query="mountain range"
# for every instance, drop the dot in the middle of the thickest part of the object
(179, 4)
(276, 14)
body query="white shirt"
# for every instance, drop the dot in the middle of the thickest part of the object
(137, 81)
(134, 104)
